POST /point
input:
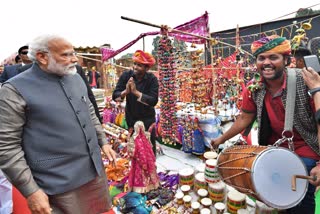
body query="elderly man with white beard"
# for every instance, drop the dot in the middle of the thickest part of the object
(50, 137)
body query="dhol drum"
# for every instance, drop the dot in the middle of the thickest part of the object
(265, 173)
(217, 191)
(186, 177)
(210, 155)
(211, 174)
(199, 182)
(235, 201)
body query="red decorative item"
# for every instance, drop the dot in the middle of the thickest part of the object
(143, 172)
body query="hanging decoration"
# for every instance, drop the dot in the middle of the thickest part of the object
(301, 39)
(167, 74)
(199, 84)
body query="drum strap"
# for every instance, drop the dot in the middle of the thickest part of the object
(291, 97)
(290, 104)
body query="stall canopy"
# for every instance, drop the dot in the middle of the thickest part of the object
(198, 26)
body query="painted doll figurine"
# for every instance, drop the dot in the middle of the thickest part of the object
(143, 172)
(187, 135)
(198, 138)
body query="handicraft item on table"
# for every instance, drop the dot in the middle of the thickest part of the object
(198, 147)
(143, 172)
(187, 134)
(134, 203)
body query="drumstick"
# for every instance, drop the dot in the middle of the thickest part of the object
(294, 177)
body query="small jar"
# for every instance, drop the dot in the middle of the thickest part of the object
(202, 193)
(179, 196)
(187, 201)
(205, 211)
(195, 207)
(185, 189)
(206, 202)
(219, 207)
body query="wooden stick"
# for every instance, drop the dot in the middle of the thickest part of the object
(93, 59)
(294, 177)
(140, 22)
(88, 54)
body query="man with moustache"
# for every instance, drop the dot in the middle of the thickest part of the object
(50, 137)
(141, 90)
(266, 102)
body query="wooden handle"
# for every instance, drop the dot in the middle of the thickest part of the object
(141, 22)
(294, 177)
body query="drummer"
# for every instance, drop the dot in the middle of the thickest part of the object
(264, 99)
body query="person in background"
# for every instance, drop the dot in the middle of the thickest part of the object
(140, 88)
(298, 54)
(90, 93)
(50, 137)
(312, 80)
(94, 77)
(12, 70)
(266, 102)
(18, 59)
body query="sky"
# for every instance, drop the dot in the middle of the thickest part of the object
(98, 22)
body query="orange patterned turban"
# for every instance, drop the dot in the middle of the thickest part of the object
(143, 58)
(271, 44)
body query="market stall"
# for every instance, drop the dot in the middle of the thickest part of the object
(194, 103)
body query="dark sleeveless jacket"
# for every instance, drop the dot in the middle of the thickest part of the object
(59, 139)
(303, 120)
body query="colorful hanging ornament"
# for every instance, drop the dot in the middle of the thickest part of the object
(167, 92)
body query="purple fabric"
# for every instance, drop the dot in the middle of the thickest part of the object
(198, 26)
(108, 116)
(168, 181)
(264, 40)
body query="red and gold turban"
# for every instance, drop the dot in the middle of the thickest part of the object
(271, 44)
(143, 58)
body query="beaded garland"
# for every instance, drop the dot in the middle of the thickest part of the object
(167, 74)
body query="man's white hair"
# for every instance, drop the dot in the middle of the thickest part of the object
(40, 44)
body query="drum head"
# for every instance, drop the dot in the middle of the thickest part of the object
(186, 172)
(272, 176)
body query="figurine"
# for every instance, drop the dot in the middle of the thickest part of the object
(198, 147)
(143, 172)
